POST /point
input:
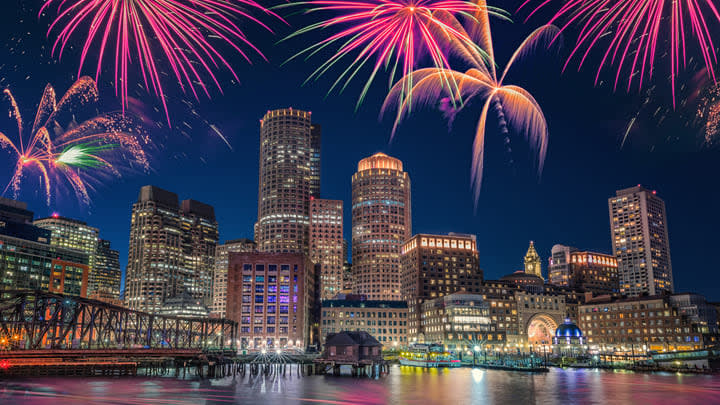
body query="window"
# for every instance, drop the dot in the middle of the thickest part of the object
(258, 299)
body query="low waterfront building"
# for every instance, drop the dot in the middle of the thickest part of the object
(458, 321)
(651, 323)
(386, 321)
(352, 348)
(271, 296)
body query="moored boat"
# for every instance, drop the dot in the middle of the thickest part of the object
(427, 355)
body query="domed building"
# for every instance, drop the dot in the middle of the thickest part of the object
(528, 282)
(568, 333)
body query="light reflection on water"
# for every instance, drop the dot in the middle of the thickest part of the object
(404, 385)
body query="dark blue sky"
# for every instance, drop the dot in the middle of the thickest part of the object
(568, 204)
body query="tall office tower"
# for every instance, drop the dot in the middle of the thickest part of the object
(74, 234)
(171, 252)
(381, 222)
(315, 153)
(639, 232)
(583, 271)
(108, 274)
(285, 181)
(326, 244)
(434, 266)
(200, 238)
(533, 264)
(221, 271)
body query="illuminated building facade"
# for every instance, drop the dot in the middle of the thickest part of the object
(221, 271)
(77, 235)
(433, 266)
(639, 232)
(533, 264)
(459, 321)
(315, 153)
(326, 244)
(583, 271)
(287, 169)
(381, 223)
(650, 323)
(108, 274)
(171, 251)
(386, 321)
(271, 296)
(28, 261)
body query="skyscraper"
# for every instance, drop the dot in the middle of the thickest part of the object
(74, 234)
(286, 173)
(434, 266)
(107, 273)
(381, 222)
(326, 244)
(639, 232)
(221, 271)
(171, 252)
(315, 153)
(533, 264)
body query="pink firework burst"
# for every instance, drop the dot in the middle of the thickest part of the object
(387, 33)
(151, 32)
(632, 29)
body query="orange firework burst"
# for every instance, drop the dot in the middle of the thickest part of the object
(69, 154)
(515, 107)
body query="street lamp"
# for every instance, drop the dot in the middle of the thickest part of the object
(476, 349)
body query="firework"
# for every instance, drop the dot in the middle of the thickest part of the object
(390, 34)
(515, 107)
(632, 29)
(147, 31)
(708, 113)
(77, 152)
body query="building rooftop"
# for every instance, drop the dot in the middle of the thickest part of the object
(363, 304)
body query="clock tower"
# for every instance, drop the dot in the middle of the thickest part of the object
(533, 262)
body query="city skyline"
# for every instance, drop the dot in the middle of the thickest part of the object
(567, 205)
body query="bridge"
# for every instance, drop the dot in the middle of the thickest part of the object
(38, 320)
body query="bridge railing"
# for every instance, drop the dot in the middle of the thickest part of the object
(32, 320)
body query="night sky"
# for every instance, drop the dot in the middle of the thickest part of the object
(568, 204)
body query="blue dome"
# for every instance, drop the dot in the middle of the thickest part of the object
(568, 329)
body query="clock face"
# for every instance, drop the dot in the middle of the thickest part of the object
(531, 267)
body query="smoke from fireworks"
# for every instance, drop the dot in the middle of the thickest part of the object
(77, 152)
(515, 107)
(392, 34)
(134, 30)
(632, 29)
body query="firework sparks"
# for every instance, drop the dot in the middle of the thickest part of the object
(180, 29)
(708, 113)
(633, 29)
(514, 106)
(392, 34)
(68, 154)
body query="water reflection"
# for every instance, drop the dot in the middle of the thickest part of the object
(404, 385)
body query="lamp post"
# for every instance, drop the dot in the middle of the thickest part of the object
(476, 349)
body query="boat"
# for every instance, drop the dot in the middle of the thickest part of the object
(427, 355)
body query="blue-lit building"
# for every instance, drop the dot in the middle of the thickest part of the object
(568, 334)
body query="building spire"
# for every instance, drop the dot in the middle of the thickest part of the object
(533, 264)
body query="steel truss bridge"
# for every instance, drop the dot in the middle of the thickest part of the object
(38, 320)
